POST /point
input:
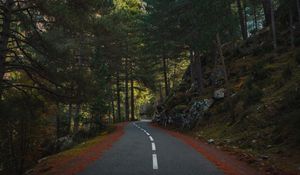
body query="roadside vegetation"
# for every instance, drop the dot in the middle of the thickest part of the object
(226, 70)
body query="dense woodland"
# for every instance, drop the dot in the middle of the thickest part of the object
(70, 67)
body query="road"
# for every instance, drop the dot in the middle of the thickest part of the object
(146, 150)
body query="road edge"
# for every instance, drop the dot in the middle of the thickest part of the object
(60, 164)
(227, 163)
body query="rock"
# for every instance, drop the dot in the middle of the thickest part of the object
(64, 143)
(42, 159)
(219, 94)
(234, 147)
(203, 105)
(264, 157)
(196, 112)
(211, 141)
(28, 171)
(227, 140)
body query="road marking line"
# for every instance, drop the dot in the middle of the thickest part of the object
(147, 134)
(155, 164)
(153, 146)
(151, 138)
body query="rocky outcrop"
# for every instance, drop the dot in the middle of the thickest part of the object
(219, 94)
(187, 119)
(64, 143)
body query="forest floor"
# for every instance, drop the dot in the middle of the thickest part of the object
(78, 158)
(259, 122)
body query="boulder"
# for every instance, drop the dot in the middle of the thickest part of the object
(64, 143)
(211, 141)
(197, 110)
(219, 94)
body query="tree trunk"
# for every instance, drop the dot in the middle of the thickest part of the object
(69, 118)
(298, 9)
(267, 11)
(292, 28)
(76, 118)
(160, 93)
(198, 72)
(192, 67)
(174, 76)
(109, 115)
(58, 121)
(273, 25)
(222, 58)
(255, 18)
(113, 106)
(132, 100)
(165, 68)
(4, 37)
(245, 17)
(118, 98)
(242, 20)
(126, 91)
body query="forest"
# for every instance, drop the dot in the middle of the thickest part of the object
(70, 69)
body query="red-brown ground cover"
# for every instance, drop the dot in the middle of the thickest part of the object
(76, 160)
(229, 164)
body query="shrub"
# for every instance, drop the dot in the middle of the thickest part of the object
(252, 95)
(180, 108)
(297, 56)
(292, 97)
(287, 73)
(259, 72)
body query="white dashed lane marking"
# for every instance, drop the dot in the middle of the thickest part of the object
(151, 139)
(154, 156)
(155, 164)
(153, 146)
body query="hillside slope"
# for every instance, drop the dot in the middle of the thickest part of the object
(256, 114)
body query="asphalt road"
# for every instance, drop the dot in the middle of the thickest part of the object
(144, 150)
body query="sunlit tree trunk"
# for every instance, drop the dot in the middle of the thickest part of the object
(126, 90)
(113, 105)
(132, 100)
(118, 97)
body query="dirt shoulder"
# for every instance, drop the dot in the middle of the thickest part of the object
(78, 158)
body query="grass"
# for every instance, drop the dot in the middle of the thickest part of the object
(256, 132)
(77, 150)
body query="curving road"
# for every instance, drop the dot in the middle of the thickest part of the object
(145, 150)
